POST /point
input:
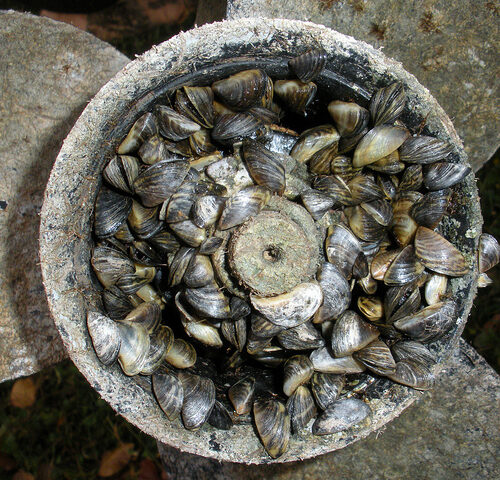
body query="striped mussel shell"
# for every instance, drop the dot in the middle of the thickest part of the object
(301, 407)
(296, 95)
(111, 212)
(401, 301)
(411, 179)
(199, 399)
(324, 362)
(387, 104)
(308, 65)
(180, 203)
(336, 293)
(377, 357)
(234, 127)
(441, 175)
(488, 253)
(265, 167)
(414, 351)
(372, 308)
(342, 249)
(235, 332)
(196, 103)
(154, 150)
(160, 342)
(326, 388)
(105, 336)
(340, 416)
(181, 355)
(141, 130)
(273, 425)
(173, 125)
(435, 288)
(121, 171)
(296, 371)
(413, 374)
(110, 264)
(364, 189)
(424, 150)
(390, 164)
(134, 347)
(302, 337)
(208, 301)
(349, 118)
(241, 395)
(313, 140)
(430, 209)
(243, 89)
(168, 391)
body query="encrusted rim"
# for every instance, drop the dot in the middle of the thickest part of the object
(71, 190)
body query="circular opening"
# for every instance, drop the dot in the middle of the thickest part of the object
(272, 254)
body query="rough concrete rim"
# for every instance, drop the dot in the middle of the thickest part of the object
(70, 194)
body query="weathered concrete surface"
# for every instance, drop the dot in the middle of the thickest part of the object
(48, 72)
(451, 47)
(453, 432)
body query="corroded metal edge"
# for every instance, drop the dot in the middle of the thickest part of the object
(66, 216)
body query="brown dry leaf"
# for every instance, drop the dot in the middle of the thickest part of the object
(23, 393)
(22, 475)
(148, 470)
(114, 460)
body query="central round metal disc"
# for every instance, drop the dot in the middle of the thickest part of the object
(270, 254)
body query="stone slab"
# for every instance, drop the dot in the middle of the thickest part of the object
(451, 47)
(453, 432)
(48, 71)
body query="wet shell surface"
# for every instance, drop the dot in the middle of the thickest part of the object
(258, 239)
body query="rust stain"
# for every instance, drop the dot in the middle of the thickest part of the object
(428, 24)
(378, 31)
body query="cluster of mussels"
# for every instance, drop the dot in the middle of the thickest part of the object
(241, 260)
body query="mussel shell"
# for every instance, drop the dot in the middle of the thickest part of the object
(378, 143)
(405, 268)
(105, 336)
(296, 95)
(488, 253)
(381, 262)
(414, 351)
(111, 212)
(147, 314)
(430, 323)
(164, 242)
(308, 65)
(342, 166)
(199, 399)
(317, 203)
(189, 233)
(351, 333)
(144, 222)
(429, 210)
(243, 89)
(390, 165)
(134, 348)
(235, 332)
(154, 150)
(199, 272)
(441, 175)
(342, 249)
(350, 118)
(364, 225)
(346, 144)
(210, 245)
(424, 150)
(364, 189)
(292, 308)
(411, 179)
(179, 265)
(326, 388)
(377, 357)
(110, 264)
(158, 182)
(180, 203)
(121, 171)
(265, 115)
(435, 288)
(174, 125)
(438, 254)
(273, 425)
(142, 129)
(168, 391)
(301, 408)
(197, 104)
(116, 303)
(264, 166)
(413, 374)
(239, 308)
(323, 362)
(340, 416)
(371, 307)
(313, 140)
(160, 342)
(220, 417)
(320, 162)
(387, 103)
(483, 280)
(234, 127)
(403, 225)
(296, 371)
(401, 301)
(380, 210)
(241, 395)
(131, 283)
(244, 204)
(303, 337)
(208, 301)
(335, 187)
(181, 355)
(336, 293)
(262, 328)
(207, 210)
